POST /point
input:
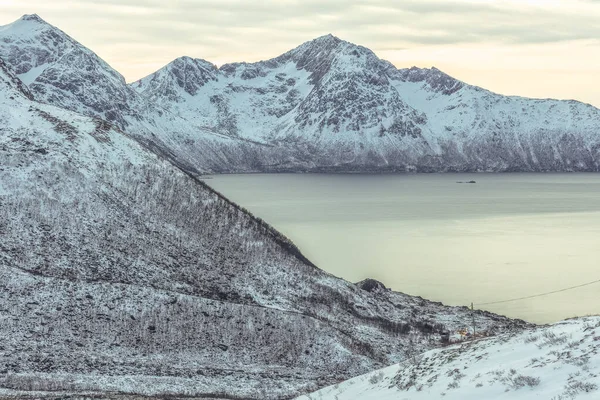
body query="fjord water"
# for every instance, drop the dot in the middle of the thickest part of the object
(503, 237)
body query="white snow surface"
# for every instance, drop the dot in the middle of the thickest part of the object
(558, 362)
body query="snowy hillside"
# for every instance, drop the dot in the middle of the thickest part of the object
(327, 105)
(558, 362)
(120, 272)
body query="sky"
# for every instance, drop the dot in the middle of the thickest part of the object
(534, 48)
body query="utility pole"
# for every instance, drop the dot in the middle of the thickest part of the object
(473, 317)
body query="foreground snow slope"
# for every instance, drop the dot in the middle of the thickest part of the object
(120, 272)
(327, 105)
(558, 362)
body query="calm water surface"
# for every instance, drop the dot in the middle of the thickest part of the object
(507, 236)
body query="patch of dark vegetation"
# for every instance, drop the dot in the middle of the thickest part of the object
(59, 125)
(101, 130)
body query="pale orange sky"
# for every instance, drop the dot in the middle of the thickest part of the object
(534, 48)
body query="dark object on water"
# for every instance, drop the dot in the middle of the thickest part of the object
(466, 182)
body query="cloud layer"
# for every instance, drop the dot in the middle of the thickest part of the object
(137, 37)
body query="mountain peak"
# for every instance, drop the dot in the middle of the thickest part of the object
(27, 25)
(325, 41)
(32, 17)
(32, 20)
(315, 55)
(185, 72)
(182, 59)
(198, 62)
(328, 38)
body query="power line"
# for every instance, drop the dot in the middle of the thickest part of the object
(541, 294)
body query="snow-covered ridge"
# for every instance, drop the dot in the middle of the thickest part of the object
(559, 362)
(358, 112)
(12, 84)
(326, 105)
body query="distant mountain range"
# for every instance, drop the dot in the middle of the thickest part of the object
(327, 105)
(122, 274)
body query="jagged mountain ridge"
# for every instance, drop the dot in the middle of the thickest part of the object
(326, 105)
(324, 100)
(122, 273)
(340, 107)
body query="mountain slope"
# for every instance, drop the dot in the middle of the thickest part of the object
(122, 273)
(476, 129)
(552, 362)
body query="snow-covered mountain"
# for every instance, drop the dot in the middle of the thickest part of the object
(326, 105)
(557, 362)
(60, 71)
(120, 272)
(330, 104)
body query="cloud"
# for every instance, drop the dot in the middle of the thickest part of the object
(451, 21)
(138, 37)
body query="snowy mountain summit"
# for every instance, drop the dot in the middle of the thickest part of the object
(327, 105)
